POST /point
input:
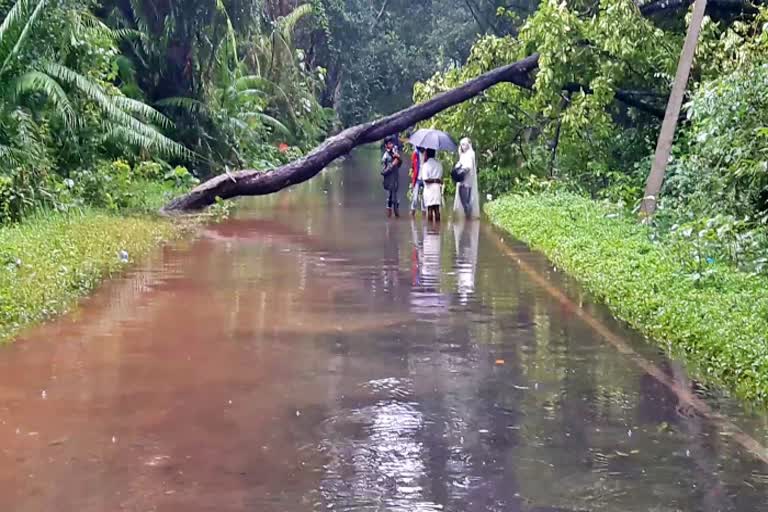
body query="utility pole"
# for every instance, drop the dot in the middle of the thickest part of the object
(668, 126)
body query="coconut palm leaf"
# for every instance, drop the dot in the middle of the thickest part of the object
(287, 24)
(11, 155)
(142, 109)
(30, 21)
(109, 105)
(14, 18)
(184, 103)
(37, 81)
(267, 120)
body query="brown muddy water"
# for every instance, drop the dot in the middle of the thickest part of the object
(309, 355)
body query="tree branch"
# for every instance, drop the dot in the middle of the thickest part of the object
(254, 183)
(381, 12)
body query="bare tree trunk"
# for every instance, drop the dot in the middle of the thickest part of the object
(668, 126)
(254, 183)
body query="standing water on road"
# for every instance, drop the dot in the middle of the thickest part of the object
(312, 355)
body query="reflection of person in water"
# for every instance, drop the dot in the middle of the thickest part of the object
(426, 271)
(466, 236)
(431, 264)
(391, 262)
(415, 256)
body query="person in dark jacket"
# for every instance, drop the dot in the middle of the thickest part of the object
(390, 171)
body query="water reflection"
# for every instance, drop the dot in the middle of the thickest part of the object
(311, 355)
(467, 237)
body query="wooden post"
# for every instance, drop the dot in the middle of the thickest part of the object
(668, 126)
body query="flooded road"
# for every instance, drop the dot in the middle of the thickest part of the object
(309, 355)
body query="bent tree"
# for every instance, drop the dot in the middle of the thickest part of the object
(521, 73)
(253, 182)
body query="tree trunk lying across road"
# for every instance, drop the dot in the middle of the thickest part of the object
(255, 183)
(251, 182)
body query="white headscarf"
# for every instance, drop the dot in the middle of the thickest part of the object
(469, 162)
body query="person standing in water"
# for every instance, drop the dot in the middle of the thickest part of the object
(390, 171)
(432, 174)
(417, 184)
(467, 200)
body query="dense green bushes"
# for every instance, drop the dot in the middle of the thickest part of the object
(670, 289)
(85, 84)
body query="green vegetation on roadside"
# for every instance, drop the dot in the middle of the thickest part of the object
(669, 288)
(50, 260)
(55, 256)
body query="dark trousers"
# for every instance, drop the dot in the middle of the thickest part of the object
(465, 196)
(392, 201)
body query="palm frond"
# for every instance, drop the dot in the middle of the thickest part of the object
(253, 82)
(268, 120)
(37, 81)
(109, 105)
(230, 35)
(140, 20)
(14, 18)
(159, 143)
(11, 155)
(181, 102)
(24, 32)
(142, 109)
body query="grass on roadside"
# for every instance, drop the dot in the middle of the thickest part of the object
(719, 325)
(50, 260)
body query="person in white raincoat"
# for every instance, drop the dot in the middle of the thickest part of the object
(467, 200)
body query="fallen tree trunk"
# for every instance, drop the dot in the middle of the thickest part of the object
(255, 183)
(251, 182)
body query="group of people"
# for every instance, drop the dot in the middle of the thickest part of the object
(426, 183)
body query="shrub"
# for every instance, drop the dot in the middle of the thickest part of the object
(710, 313)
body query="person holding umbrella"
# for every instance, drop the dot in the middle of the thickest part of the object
(431, 170)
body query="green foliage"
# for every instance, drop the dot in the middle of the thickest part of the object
(715, 316)
(48, 261)
(721, 164)
(700, 243)
(231, 79)
(570, 125)
(375, 51)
